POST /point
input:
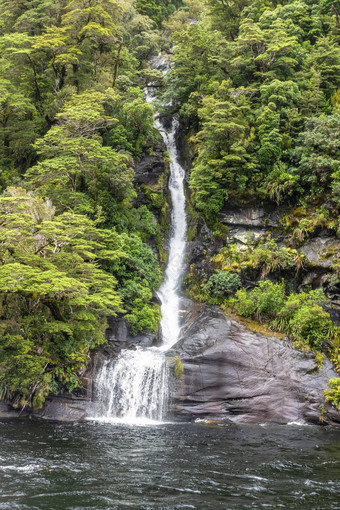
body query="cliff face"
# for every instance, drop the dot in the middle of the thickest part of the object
(245, 226)
(229, 371)
(230, 374)
(233, 374)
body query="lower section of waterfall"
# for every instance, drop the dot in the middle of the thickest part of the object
(133, 388)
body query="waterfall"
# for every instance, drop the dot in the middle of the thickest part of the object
(169, 291)
(133, 388)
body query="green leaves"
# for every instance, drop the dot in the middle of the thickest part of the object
(318, 154)
(333, 394)
(301, 316)
(53, 290)
(73, 118)
(74, 158)
(222, 161)
(246, 78)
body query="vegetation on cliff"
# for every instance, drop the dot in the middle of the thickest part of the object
(258, 81)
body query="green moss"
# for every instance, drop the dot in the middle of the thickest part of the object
(320, 358)
(155, 199)
(194, 286)
(192, 232)
(163, 254)
(178, 367)
(191, 211)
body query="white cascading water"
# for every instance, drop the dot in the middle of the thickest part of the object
(134, 387)
(169, 291)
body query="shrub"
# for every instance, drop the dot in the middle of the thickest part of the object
(223, 283)
(266, 300)
(265, 257)
(312, 325)
(299, 315)
(333, 395)
(244, 303)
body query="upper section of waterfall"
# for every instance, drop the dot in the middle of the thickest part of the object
(170, 289)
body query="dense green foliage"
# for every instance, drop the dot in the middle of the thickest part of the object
(256, 83)
(157, 10)
(301, 316)
(223, 283)
(333, 395)
(73, 245)
(54, 294)
(264, 257)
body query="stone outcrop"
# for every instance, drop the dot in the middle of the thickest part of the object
(150, 167)
(234, 374)
(250, 217)
(322, 251)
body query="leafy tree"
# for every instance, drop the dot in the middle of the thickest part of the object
(17, 126)
(54, 295)
(30, 16)
(74, 160)
(223, 161)
(225, 15)
(325, 58)
(157, 10)
(318, 155)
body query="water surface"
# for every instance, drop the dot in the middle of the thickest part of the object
(104, 466)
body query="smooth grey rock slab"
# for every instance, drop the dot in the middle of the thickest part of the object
(249, 217)
(245, 377)
(64, 409)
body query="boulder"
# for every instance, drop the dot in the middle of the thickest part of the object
(250, 217)
(64, 409)
(150, 167)
(119, 337)
(240, 376)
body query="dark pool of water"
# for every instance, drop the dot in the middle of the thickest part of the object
(103, 466)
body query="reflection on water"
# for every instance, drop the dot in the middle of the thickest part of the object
(105, 466)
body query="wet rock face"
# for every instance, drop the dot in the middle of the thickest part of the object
(249, 217)
(322, 251)
(148, 172)
(245, 377)
(118, 336)
(150, 167)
